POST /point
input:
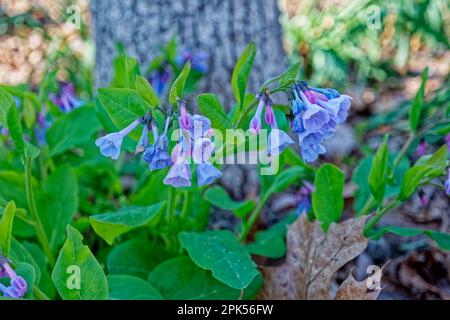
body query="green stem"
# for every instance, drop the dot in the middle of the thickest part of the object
(40, 232)
(38, 294)
(377, 217)
(404, 149)
(171, 210)
(186, 205)
(244, 114)
(247, 226)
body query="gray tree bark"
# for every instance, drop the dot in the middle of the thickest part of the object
(222, 28)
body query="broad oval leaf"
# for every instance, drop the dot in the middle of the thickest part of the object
(146, 91)
(327, 197)
(6, 224)
(211, 107)
(176, 91)
(72, 129)
(131, 288)
(180, 279)
(111, 225)
(241, 73)
(77, 274)
(220, 252)
(378, 172)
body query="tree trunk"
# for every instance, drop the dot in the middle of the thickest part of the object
(222, 28)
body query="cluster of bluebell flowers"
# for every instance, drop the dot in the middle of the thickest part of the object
(316, 113)
(18, 286)
(193, 144)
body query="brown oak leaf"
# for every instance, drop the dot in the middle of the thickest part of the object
(312, 259)
(351, 289)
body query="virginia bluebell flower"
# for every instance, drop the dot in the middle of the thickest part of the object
(199, 60)
(185, 118)
(66, 99)
(207, 173)
(41, 128)
(316, 112)
(304, 198)
(278, 140)
(421, 148)
(111, 143)
(18, 286)
(179, 174)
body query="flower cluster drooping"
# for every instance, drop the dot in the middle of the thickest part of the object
(194, 143)
(316, 113)
(18, 286)
(278, 140)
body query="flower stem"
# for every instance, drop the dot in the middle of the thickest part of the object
(377, 217)
(171, 210)
(40, 232)
(248, 225)
(244, 114)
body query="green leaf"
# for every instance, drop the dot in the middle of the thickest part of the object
(220, 252)
(211, 108)
(123, 106)
(131, 288)
(58, 204)
(20, 254)
(111, 225)
(136, 258)
(29, 110)
(441, 239)
(416, 108)
(425, 169)
(6, 224)
(176, 91)
(15, 130)
(180, 279)
(146, 91)
(6, 101)
(290, 75)
(31, 150)
(286, 179)
(218, 197)
(125, 71)
(241, 73)
(72, 129)
(271, 243)
(77, 265)
(327, 197)
(378, 172)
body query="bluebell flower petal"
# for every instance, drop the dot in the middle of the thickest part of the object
(315, 117)
(110, 145)
(179, 175)
(277, 141)
(207, 174)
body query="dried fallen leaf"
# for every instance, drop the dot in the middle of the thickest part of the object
(351, 289)
(313, 258)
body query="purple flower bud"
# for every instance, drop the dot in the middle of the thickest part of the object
(185, 118)
(5, 131)
(447, 140)
(255, 123)
(421, 148)
(5, 269)
(199, 60)
(277, 141)
(207, 174)
(159, 79)
(20, 286)
(66, 99)
(269, 116)
(111, 143)
(157, 156)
